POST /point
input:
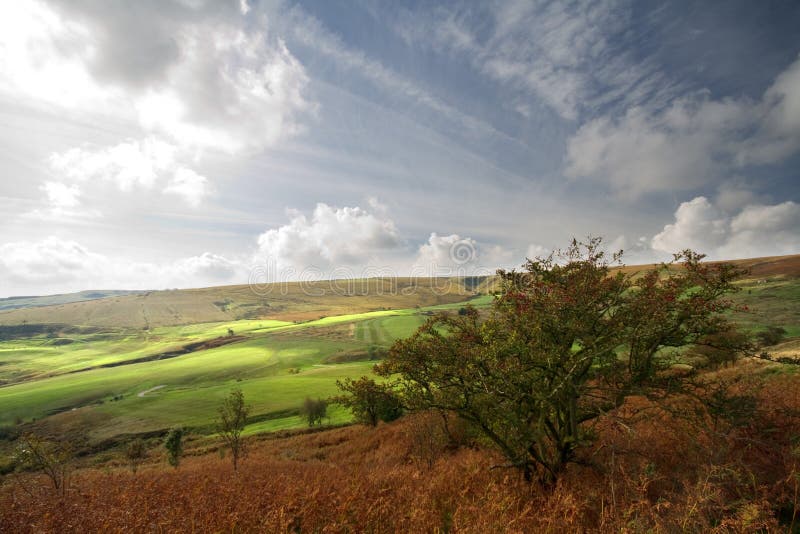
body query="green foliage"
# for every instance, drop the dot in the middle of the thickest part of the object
(231, 422)
(369, 401)
(567, 341)
(135, 453)
(174, 445)
(771, 336)
(314, 411)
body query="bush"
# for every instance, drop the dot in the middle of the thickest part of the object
(174, 445)
(135, 453)
(771, 336)
(370, 402)
(314, 411)
(50, 457)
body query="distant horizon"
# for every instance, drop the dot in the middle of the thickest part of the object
(323, 280)
(181, 144)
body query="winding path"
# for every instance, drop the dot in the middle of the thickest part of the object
(145, 392)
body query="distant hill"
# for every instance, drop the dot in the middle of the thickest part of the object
(13, 303)
(766, 267)
(296, 301)
(769, 266)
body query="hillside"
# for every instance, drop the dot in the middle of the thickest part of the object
(285, 302)
(659, 473)
(13, 303)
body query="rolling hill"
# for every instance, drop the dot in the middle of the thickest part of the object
(296, 301)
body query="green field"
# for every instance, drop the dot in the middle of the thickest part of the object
(67, 376)
(58, 379)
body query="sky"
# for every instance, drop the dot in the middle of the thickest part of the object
(186, 143)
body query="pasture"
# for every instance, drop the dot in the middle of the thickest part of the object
(91, 369)
(104, 382)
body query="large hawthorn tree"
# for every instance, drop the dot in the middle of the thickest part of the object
(567, 340)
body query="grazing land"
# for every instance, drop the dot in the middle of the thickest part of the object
(99, 373)
(78, 376)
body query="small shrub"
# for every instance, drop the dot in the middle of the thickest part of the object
(314, 411)
(50, 457)
(174, 445)
(370, 402)
(135, 453)
(771, 336)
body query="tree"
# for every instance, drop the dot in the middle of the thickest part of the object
(135, 453)
(314, 411)
(231, 422)
(370, 402)
(174, 445)
(771, 336)
(568, 339)
(50, 457)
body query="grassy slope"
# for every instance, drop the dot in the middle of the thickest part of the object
(12, 303)
(290, 302)
(265, 364)
(276, 367)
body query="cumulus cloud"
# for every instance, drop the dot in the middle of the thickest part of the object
(698, 225)
(230, 92)
(48, 261)
(331, 238)
(56, 265)
(755, 230)
(189, 185)
(693, 142)
(195, 72)
(61, 195)
(127, 166)
(454, 255)
(62, 202)
(197, 77)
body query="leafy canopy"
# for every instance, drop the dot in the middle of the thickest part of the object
(567, 340)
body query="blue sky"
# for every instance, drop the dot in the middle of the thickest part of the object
(188, 143)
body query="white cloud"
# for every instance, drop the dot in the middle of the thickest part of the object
(332, 238)
(56, 265)
(127, 166)
(537, 251)
(43, 61)
(695, 141)
(189, 185)
(446, 253)
(231, 92)
(454, 255)
(61, 195)
(756, 230)
(191, 73)
(698, 225)
(51, 260)
(62, 203)
(194, 78)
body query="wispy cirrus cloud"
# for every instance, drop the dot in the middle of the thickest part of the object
(565, 55)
